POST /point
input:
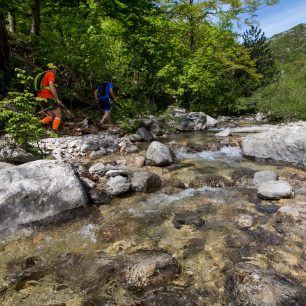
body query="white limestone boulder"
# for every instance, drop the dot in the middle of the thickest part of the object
(287, 144)
(159, 154)
(37, 190)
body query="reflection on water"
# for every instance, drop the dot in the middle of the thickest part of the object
(197, 226)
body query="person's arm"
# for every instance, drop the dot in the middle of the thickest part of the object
(111, 93)
(96, 92)
(54, 92)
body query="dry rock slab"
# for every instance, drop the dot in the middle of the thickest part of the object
(264, 176)
(275, 190)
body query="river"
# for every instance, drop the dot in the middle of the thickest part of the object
(198, 227)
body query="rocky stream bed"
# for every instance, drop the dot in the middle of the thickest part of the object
(176, 219)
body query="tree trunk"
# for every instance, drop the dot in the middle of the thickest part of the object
(4, 45)
(12, 22)
(4, 56)
(191, 30)
(35, 17)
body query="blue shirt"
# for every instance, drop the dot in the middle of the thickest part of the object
(107, 91)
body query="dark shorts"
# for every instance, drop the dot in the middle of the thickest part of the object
(50, 105)
(104, 105)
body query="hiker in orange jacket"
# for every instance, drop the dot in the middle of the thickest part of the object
(53, 104)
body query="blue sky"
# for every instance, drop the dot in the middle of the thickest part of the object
(280, 17)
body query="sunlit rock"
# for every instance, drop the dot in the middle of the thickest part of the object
(224, 133)
(274, 190)
(145, 181)
(88, 184)
(264, 176)
(244, 221)
(159, 154)
(118, 185)
(286, 144)
(5, 165)
(10, 152)
(145, 134)
(37, 190)
(97, 169)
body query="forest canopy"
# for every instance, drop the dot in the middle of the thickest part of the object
(158, 52)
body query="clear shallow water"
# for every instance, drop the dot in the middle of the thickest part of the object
(194, 225)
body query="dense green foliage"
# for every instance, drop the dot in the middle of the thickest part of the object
(285, 98)
(255, 40)
(159, 52)
(18, 115)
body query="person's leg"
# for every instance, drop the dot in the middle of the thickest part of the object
(49, 118)
(105, 117)
(57, 118)
(46, 120)
(107, 109)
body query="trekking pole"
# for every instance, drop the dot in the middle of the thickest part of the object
(69, 112)
(84, 109)
(44, 110)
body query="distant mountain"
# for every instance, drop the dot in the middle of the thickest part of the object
(285, 97)
(290, 46)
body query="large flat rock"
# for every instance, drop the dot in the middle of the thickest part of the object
(287, 144)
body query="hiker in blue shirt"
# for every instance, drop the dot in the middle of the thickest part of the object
(103, 95)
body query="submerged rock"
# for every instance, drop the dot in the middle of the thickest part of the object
(197, 147)
(149, 268)
(37, 190)
(261, 235)
(170, 296)
(288, 214)
(189, 218)
(267, 208)
(21, 270)
(98, 154)
(243, 176)
(87, 273)
(275, 190)
(247, 284)
(245, 221)
(139, 161)
(216, 181)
